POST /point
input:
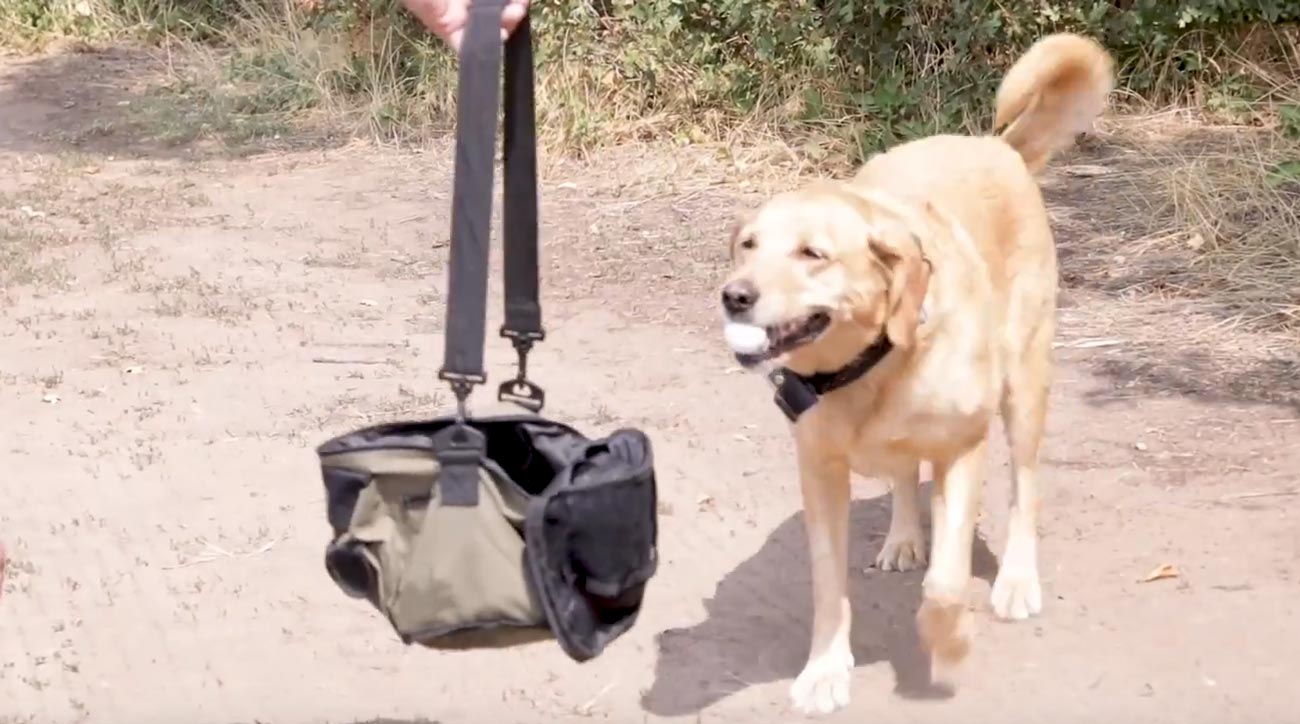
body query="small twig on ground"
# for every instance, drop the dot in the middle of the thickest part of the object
(1259, 494)
(587, 708)
(338, 361)
(1089, 343)
(221, 553)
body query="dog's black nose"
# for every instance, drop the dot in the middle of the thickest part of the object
(739, 296)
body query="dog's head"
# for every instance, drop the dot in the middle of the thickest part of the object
(825, 267)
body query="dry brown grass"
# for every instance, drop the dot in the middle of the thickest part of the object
(1201, 201)
(1240, 214)
(1197, 211)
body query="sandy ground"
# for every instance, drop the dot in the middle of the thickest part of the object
(179, 330)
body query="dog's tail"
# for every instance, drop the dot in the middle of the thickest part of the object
(1054, 92)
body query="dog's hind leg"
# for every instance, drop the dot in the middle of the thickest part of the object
(904, 547)
(1017, 593)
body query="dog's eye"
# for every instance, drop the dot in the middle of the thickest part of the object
(807, 252)
(747, 243)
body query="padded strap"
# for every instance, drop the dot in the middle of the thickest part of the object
(476, 123)
(523, 313)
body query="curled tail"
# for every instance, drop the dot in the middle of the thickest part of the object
(1052, 93)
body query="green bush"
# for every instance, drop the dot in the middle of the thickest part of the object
(883, 69)
(845, 74)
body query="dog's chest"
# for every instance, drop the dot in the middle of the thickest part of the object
(947, 401)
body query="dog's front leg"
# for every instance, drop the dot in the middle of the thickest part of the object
(943, 622)
(823, 686)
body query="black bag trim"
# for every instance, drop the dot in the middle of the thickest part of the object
(443, 637)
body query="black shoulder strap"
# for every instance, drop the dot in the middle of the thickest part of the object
(523, 317)
(523, 312)
(476, 124)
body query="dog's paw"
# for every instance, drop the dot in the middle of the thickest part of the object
(1017, 594)
(945, 628)
(823, 685)
(902, 552)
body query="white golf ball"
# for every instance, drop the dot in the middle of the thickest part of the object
(745, 338)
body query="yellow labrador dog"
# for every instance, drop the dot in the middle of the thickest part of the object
(904, 307)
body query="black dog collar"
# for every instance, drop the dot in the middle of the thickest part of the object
(796, 393)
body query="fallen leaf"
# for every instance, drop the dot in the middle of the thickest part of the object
(1162, 571)
(1140, 446)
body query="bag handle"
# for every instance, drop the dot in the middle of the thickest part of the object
(460, 449)
(476, 123)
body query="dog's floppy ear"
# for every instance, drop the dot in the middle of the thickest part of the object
(909, 278)
(733, 234)
(902, 253)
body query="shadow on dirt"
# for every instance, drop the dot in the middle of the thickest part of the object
(1199, 375)
(123, 103)
(756, 630)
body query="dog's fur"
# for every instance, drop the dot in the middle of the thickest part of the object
(943, 244)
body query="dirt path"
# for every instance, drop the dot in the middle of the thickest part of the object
(176, 335)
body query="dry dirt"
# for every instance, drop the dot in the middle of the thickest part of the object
(181, 328)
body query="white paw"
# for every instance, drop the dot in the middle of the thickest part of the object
(902, 552)
(823, 685)
(1017, 595)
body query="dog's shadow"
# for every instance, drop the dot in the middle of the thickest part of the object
(758, 624)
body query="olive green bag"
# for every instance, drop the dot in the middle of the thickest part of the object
(471, 532)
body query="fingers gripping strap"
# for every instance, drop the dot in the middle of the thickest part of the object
(476, 123)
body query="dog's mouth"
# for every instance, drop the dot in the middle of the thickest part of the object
(754, 345)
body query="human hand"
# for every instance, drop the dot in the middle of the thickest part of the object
(447, 18)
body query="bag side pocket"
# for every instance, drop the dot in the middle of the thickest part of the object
(592, 543)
